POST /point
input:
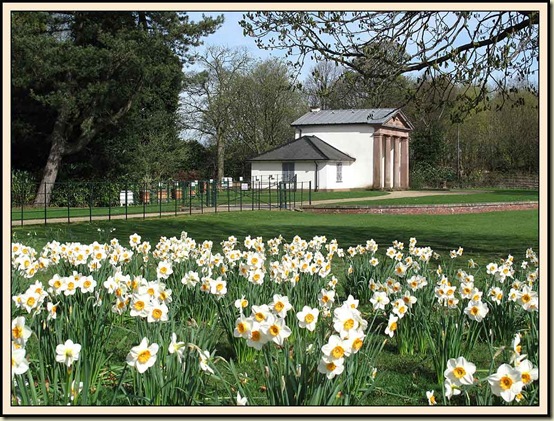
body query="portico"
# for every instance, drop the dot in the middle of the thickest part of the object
(391, 157)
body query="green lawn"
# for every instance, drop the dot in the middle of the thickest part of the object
(483, 236)
(243, 199)
(402, 379)
(492, 196)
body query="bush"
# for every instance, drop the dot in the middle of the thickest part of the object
(85, 194)
(428, 176)
(23, 188)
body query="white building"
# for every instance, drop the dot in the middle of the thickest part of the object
(343, 149)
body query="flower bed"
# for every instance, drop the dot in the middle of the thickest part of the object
(111, 324)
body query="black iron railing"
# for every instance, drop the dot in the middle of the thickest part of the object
(78, 201)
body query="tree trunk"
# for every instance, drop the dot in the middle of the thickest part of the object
(53, 164)
(60, 147)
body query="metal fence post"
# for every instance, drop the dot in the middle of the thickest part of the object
(68, 207)
(310, 192)
(22, 208)
(110, 202)
(44, 203)
(214, 195)
(190, 198)
(228, 198)
(159, 196)
(126, 189)
(143, 202)
(91, 188)
(201, 185)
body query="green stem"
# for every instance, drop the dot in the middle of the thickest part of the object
(119, 384)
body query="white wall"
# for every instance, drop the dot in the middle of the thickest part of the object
(304, 171)
(355, 140)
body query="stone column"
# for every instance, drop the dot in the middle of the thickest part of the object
(405, 164)
(396, 166)
(387, 162)
(377, 153)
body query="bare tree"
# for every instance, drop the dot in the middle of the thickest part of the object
(491, 51)
(320, 85)
(209, 95)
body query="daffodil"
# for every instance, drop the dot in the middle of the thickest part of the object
(336, 348)
(528, 299)
(391, 326)
(277, 331)
(459, 371)
(19, 363)
(529, 373)
(176, 347)
(134, 240)
(256, 338)
(241, 303)
(261, 313)
(218, 287)
(308, 318)
(142, 356)
(379, 300)
(451, 389)
(506, 382)
(476, 310)
(330, 368)
(243, 326)
(190, 279)
(156, 312)
(20, 332)
(52, 310)
(139, 305)
(326, 298)
(346, 319)
(68, 352)
(241, 401)
(431, 397)
(351, 302)
(204, 357)
(164, 270)
(74, 392)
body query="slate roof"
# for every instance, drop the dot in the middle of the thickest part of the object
(363, 116)
(305, 148)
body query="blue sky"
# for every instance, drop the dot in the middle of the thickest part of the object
(230, 35)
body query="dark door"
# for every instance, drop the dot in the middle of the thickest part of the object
(288, 172)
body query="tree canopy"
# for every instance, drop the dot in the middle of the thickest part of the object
(493, 51)
(77, 76)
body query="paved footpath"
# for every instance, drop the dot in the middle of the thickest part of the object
(224, 208)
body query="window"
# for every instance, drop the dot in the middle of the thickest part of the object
(339, 172)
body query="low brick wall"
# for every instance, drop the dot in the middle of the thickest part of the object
(424, 209)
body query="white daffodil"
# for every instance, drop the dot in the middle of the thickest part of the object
(68, 352)
(142, 356)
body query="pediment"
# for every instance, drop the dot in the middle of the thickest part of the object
(398, 121)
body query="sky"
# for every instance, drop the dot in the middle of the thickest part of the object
(230, 35)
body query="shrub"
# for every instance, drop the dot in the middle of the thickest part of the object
(23, 188)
